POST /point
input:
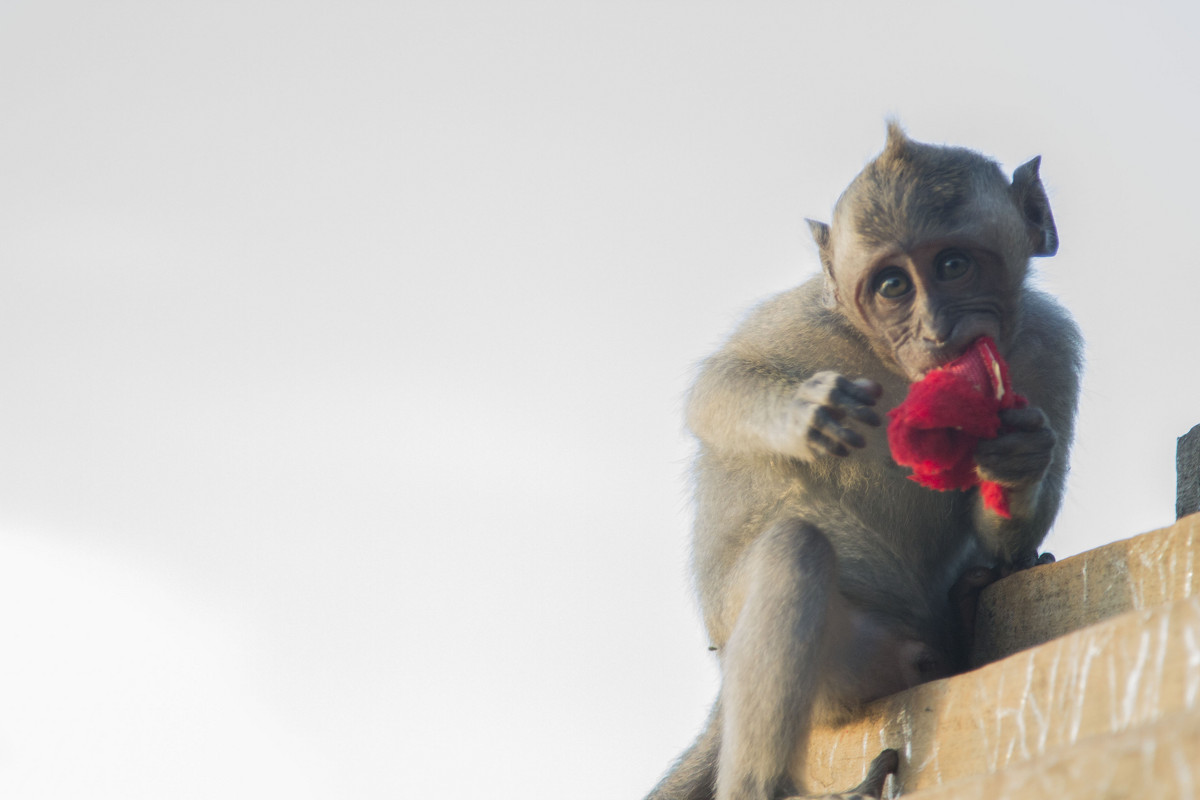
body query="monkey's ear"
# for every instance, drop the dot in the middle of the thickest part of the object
(1030, 197)
(820, 234)
(897, 139)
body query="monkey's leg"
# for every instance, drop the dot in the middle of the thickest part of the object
(774, 658)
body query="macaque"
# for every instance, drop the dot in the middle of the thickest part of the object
(826, 577)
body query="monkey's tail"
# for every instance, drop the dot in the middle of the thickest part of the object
(694, 775)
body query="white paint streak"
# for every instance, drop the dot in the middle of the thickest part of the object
(1185, 780)
(1040, 717)
(1190, 570)
(1026, 699)
(1129, 703)
(990, 750)
(1191, 646)
(1091, 650)
(1083, 575)
(1152, 705)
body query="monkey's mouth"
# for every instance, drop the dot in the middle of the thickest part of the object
(980, 362)
(942, 362)
(934, 362)
(937, 358)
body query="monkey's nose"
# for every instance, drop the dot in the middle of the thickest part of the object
(936, 333)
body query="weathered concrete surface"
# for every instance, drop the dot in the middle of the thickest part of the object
(1130, 671)
(1040, 604)
(1159, 761)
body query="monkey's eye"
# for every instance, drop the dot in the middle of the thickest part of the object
(893, 282)
(952, 264)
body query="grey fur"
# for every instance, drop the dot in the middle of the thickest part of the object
(825, 576)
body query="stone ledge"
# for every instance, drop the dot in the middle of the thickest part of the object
(1161, 760)
(1041, 604)
(1124, 673)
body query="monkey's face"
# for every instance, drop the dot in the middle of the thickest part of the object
(929, 248)
(922, 305)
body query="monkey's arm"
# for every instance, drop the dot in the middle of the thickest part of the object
(1031, 458)
(783, 383)
(745, 406)
(1026, 463)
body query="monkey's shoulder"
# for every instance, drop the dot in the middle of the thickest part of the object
(1047, 329)
(799, 329)
(1048, 348)
(1045, 361)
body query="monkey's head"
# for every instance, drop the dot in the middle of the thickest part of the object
(929, 248)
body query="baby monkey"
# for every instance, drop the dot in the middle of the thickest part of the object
(826, 577)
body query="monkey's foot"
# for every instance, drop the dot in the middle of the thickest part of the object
(870, 789)
(1032, 561)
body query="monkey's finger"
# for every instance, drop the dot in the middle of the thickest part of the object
(854, 397)
(825, 444)
(1013, 471)
(863, 390)
(1023, 419)
(1022, 562)
(1016, 459)
(826, 422)
(854, 410)
(1017, 443)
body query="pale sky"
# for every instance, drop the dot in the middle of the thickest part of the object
(343, 348)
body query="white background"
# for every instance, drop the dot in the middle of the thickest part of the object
(343, 347)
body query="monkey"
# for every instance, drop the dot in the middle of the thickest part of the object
(825, 577)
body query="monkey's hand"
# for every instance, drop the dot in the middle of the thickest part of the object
(814, 424)
(1019, 457)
